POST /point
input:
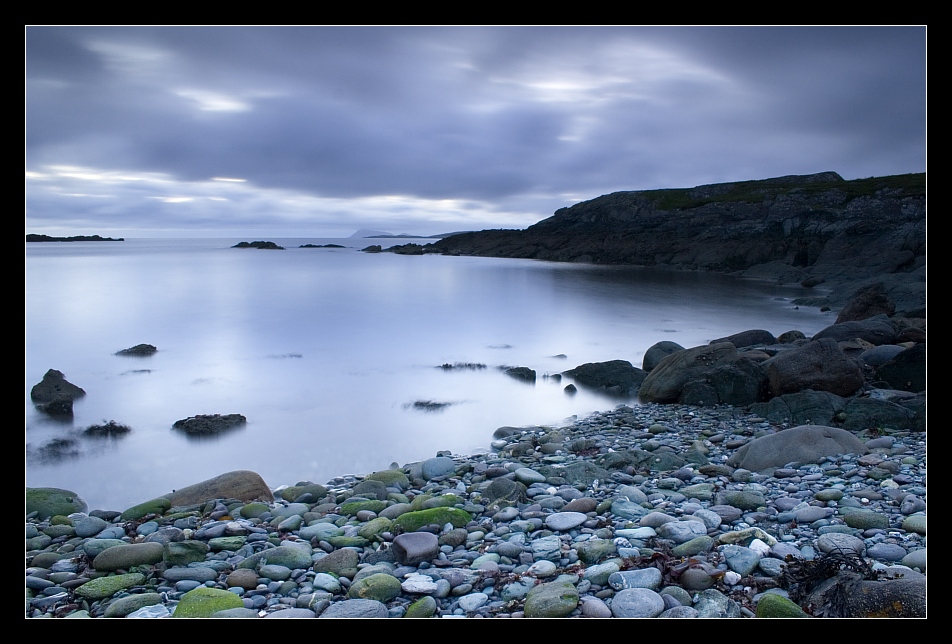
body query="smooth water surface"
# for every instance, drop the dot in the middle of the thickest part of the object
(325, 351)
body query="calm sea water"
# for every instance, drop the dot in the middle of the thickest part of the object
(325, 351)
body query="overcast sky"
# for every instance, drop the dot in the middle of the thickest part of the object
(313, 132)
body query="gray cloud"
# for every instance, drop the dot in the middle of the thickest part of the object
(440, 129)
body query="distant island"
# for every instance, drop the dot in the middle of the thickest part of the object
(261, 245)
(75, 238)
(376, 234)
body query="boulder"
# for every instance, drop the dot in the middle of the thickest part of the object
(665, 382)
(805, 407)
(243, 485)
(748, 338)
(906, 371)
(657, 352)
(51, 501)
(869, 413)
(803, 444)
(866, 303)
(819, 365)
(876, 330)
(209, 424)
(617, 377)
(521, 373)
(54, 386)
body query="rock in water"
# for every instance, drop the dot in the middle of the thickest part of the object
(138, 350)
(55, 386)
(207, 424)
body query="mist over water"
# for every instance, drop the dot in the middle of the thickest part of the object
(326, 352)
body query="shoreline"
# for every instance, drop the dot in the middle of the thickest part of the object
(501, 549)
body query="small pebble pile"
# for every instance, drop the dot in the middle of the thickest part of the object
(551, 522)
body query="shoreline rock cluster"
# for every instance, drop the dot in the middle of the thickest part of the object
(642, 511)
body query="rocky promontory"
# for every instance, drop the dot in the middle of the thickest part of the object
(817, 230)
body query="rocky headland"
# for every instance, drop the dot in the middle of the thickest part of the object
(817, 230)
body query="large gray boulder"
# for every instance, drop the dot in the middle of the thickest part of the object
(819, 365)
(906, 371)
(243, 485)
(867, 302)
(617, 377)
(665, 382)
(748, 338)
(803, 444)
(657, 352)
(805, 407)
(877, 330)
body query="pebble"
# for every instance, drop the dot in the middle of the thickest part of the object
(584, 539)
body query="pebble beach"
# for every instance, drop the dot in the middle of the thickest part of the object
(628, 513)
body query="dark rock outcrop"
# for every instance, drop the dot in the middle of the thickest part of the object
(54, 386)
(748, 338)
(209, 424)
(140, 350)
(54, 394)
(819, 365)
(521, 373)
(868, 301)
(806, 407)
(261, 245)
(907, 371)
(876, 330)
(803, 444)
(816, 229)
(665, 382)
(617, 377)
(75, 238)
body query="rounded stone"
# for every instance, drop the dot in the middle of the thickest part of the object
(637, 602)
(564, 521)
(556, 599)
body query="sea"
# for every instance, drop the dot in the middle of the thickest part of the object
(337, 357)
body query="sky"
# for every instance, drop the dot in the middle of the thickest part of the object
(321, 131)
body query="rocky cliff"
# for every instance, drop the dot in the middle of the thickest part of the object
(812, 229)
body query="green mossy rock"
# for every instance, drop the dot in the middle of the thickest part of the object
(413, 521)
(158, 506)
(373, 528)
(226, 543)
(203, 601)
(773, 605)
(104, 587)
(352, 508)
(381, 586)
(132, 603)
(422, 608)
(289, 556)
(292, 492)
(445, 501)
(50, 501)
(348, 542)
(556, 599)
(182, 553)
(254, 510)
(391, 478)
